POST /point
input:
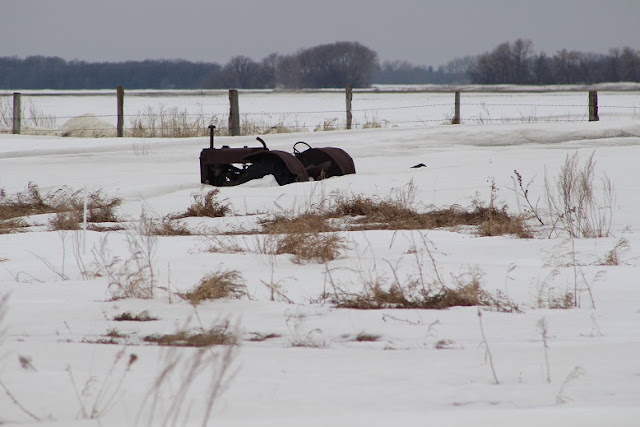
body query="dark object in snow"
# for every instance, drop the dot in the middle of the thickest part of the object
(419, 165)
(226, 167)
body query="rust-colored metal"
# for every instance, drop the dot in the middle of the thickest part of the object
(227, 166)
(325, 162)
(282, 165)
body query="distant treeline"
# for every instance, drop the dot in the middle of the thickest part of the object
(325, 66)
(517, 63)
(39, 72)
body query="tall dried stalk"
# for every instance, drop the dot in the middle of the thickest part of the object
(486, 347)
(573, 201)
(542, 326)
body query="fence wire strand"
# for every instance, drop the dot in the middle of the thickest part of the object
(203, 119)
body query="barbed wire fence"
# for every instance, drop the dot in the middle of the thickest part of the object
(160, 121)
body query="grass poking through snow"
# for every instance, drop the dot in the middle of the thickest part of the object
(65, 203)
(218, 335)
(216, 285)
(359, 212)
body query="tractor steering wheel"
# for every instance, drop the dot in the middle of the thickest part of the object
(296, 151)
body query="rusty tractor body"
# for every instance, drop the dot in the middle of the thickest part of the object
(225, 167)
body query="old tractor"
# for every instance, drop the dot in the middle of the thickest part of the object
(225, 166)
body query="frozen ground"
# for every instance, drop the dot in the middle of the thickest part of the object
(426, 367)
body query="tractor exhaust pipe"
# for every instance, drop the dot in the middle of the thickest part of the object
(212, 130)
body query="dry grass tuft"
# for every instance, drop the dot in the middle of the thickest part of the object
(366, 337)
(113, 336)
(219, 284)
(549, 296)
(67, 204)
(223, 244)
(378, 295)
(258, 337)
(174, 122)
(560, 301)
(13, 225)
(418, 292)
(375, 214)
(444, 344)
(104, 228)
(167, 122)
(576, 205)
(143, 316)
(327, 125)
(218, 335)
(613, 256)
(310, 247)
(497, 222)
(167, 227)
(369, 207)
(397, 214)
(304, 223)
(206, 205)
(65, 221)
(29, 202)
(256, 126)
(100, 208)
(135, 275)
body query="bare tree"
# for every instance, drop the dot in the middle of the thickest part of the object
(329, 65)
(629, 65)
(287, 73)
(566, 66)
(613, 65)
(521, 53)
(507, 63)
(240, 72)
(541, 69)
(268, 68)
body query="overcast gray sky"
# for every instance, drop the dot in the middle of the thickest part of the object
(425, 32)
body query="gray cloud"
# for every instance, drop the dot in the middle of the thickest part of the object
(421, 31)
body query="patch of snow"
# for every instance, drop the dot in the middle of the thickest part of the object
(87, 126)
(426, 366)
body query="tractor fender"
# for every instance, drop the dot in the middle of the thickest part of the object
(340, 164)
(284, 166)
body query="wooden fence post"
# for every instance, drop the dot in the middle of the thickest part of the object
(234, 113)
(593, 106)
(120, 127)
(456, 111)
(17, 113)
(349, 95)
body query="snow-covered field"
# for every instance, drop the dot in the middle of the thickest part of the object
(424, 367)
